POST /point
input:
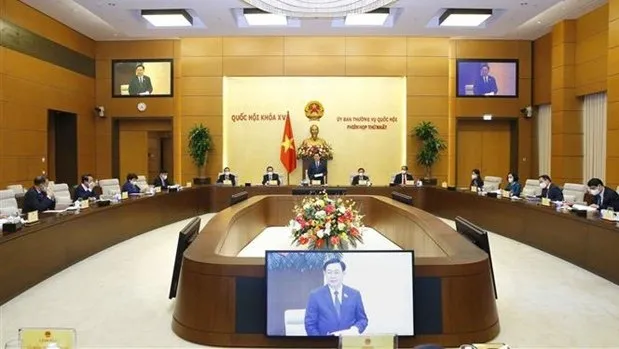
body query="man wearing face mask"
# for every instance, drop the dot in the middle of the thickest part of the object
(162, 180)
(85, 190)
(403, 178)
(549, 190)
(131, 185)
(603, 197)
(270, 176)
(37, 198)
(227, 176)
(361, 176)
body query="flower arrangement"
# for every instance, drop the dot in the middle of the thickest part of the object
(321, 222)
(307, 151)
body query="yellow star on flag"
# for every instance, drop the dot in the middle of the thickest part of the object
(287, 143)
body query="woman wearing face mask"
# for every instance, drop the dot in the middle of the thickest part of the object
(270, 176)
(227, 176)
(131, 185)
(513, 186)
(361, 176)
(549, 190)
(476, 180)
(162, 180)
(604, 198)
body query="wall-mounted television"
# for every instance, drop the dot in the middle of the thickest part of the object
(339, 293)
(142, 78)
(487, 78)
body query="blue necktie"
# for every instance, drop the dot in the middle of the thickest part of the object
(337, 303)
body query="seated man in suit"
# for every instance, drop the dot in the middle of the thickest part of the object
(549, 190)
(85, 190)
(317, 170)
(37, 198)
(349, 317)
(140, 84)
(404, 178)
(604, 198)
(162, 180)
(131, 185)
(270, 176)
(360, 177)
(227, 176)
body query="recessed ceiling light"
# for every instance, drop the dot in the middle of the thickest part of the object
(464, 17)
(373, 18)
(255, 17)
(168, 18)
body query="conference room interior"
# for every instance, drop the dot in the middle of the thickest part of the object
(73, 103)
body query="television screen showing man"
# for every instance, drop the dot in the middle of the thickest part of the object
(487, 78)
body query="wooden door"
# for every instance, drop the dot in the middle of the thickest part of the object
(485, 145)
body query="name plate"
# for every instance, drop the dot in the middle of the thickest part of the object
(124, 195)
(188, 184)
(363, 182)
(474, 189)
(444, 185)
(545, 202)
(272, 182)
(84, 204)
(227, 182)
(41, 338)
(32, 217)
(157, 189)
(315, 182)
(505, 194)
(368, 342)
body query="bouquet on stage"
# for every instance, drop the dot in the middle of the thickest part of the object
(325, 223)
(307, 151)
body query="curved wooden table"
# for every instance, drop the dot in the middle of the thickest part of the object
(221, 298)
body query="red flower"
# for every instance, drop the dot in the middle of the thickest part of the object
(303, 240)
(335, 240)
(319, 242)
(329, 209)
(354, 232)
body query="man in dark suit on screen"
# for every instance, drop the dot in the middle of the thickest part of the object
(317, 170)
(335, 309)
(140, 85)
(485, 85)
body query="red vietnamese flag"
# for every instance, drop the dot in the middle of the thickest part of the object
(288, 152)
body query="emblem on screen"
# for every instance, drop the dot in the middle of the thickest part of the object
(314, 110)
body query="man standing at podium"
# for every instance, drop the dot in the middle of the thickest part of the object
(317, 170)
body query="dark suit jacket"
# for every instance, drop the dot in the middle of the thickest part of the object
(357, 178)
(135, 88)
(481, 87)
(230, 177)
(274, 177)
(514, 189)
(321, 318)
(158, 182)
(314, 170)
(35, 201)
(398, 179)
(81, 193)
(130, 188)
(553, 193)
(477, 182)
(608, 199)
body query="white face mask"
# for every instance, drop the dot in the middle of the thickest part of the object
(91, 185)
(473, 176)
(361, 173)
(543, 185)
(164, 177)
(403, 171)
(134, 182)
(270, 172)
(594, 192)
(510, 179)
(226, 172)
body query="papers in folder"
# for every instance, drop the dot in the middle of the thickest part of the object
(583, 208)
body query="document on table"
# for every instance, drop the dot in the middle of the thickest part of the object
(318, 175)
(583, 208)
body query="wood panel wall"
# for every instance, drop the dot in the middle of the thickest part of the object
(29, 87)
(612, 136)
(542, 69)
(591, 52)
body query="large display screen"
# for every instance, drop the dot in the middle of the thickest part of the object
(142, 78)
(487, 78)
(333, 293)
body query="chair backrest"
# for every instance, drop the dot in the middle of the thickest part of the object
(294, 322)
(142, 183)
(617, 189)
(574, 193)
(18, 189)
(61, 190)
(109, 186)
(8, 203)
(531, 188)
(492, 183)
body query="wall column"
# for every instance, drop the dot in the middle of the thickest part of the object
(612, 123)
(567, 147)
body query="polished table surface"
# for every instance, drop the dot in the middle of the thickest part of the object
(37, 252)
